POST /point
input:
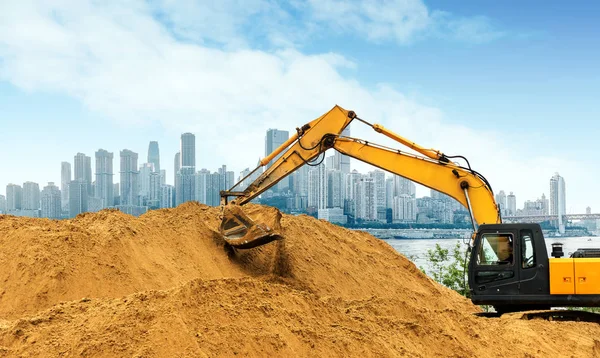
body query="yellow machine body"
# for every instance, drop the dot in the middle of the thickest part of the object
(575, 276)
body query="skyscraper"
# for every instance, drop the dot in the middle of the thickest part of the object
(14, 197)
(167, 196)
(202, 180)
(188, 150)
(31, 196)
(227, 178)
(144, 179)
(273, 140)
(317, 187)
(185, 181)
(51, 202)
(185, 185)
(404, 208)
(501, 200)
(389, 193)
(379, 179)
(511, 204)
(129, 177)
(335, 189)
(154, 195)
(342, 161)
(83, 170)
(2, 204)
(153, 155)
(117, 194)
(104, 178)
(558, 205)
(78, 198)
(366, 199)
(65, 179)
(176, 166)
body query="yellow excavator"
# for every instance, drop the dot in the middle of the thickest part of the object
(508, 267)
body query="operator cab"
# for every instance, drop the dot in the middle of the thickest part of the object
(508, 263)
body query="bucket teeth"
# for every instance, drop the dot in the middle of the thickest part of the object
(241, 232)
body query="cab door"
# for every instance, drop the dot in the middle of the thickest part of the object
(533, 262)
(494, 268)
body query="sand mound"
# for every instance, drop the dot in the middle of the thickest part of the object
(108, 284)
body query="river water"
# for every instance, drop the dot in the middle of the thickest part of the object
(416, 249)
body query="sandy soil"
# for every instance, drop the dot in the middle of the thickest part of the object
(164, 285)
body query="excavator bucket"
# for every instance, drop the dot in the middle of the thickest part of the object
(241, 232)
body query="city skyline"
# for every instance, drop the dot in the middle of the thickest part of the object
(469, 82)
(319, 192)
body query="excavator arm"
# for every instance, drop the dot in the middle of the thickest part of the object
(432, 169)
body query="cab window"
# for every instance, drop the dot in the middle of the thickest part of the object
(495, 249)
(528, 253)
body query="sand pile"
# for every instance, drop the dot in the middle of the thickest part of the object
(108, 284)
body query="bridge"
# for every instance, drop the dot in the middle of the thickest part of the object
(541, 218)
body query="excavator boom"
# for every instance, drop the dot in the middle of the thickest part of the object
(433, 170)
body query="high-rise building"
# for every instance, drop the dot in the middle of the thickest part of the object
(176, 166)
(163, 177)
(31, 196)
(202, 182)
(146, 170)
(244, 183)
(366, 199)
(335, 189)
(14, 197)
(129, 178)
(2, 204)
(317, 187)
(154, 155)
(501, 201)
(116, 194)
(535, 208)
(379, 179)
(154, 191)
(342, 161)
(185, 184)
(65, 179)
(558, 205)
(104, 178)
(167, 196)
(188, 150)
(213, 191)
(350, 185)
(404, 208)
(273, 140)
(511, 204)
(227, 178)
(404, 186)
(83, 171)
(51, 202)
(78, 197)
(389, 193)
(330, 163)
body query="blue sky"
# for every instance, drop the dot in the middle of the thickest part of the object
(511, 85)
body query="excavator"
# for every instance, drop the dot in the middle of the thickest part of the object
(508, 265)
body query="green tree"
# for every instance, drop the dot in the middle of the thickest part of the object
(448, 268)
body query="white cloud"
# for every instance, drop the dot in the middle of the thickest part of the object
(125, 65)
(232, 22)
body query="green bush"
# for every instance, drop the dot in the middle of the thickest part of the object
(448, 268)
